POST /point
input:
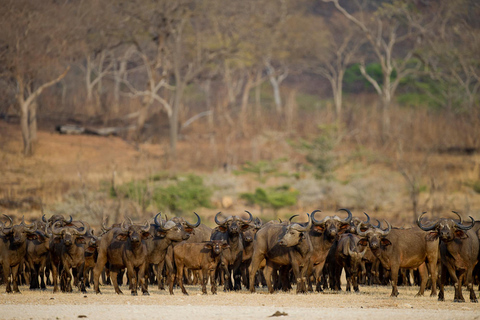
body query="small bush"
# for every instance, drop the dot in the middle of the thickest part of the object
(186, 195)
(176, 196)
(275, 198)
(476, 186)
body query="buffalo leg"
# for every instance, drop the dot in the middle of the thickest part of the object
(212, 281)
(394, 280)
(114, 278)
(443, 276)
(160, 279)
(267, 272)
(180, 279)
(203, 275)
(142, 281)
(252, 270)
(7, 276)
(469, 276)
(99, 270)
(422, 270)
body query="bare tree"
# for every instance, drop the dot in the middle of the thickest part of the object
(33, 42)
(451, 55)
(385, 30)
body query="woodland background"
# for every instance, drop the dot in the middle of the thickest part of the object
(278, 107)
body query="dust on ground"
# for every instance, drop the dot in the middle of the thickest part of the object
(371, 303)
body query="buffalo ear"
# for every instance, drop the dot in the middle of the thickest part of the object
(319, 228)
(362, 242)
(208, 245)
(122, 237)
(385, 242)
(225, 246)
(432, 236)
(90, 249)
(460, 234)
(57, 239)
(160, 234)
(245, 226)
(343, 228)
(32, 236)
(146, 235)
(80, 240)
(189, 230)
(222, 228)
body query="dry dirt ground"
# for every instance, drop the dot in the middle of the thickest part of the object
(371, 303)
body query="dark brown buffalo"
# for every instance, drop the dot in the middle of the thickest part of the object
(38, 252)
(348, 256)
(402, 248)
(124, 248)
(459, 250)
(248, 235)
(13, 247)
(284, 244)
(198, 256)
(72, 254)
(323, 235)
(198, 232)
(230, 230)
(165, 234)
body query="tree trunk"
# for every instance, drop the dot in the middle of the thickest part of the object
(276, 94)
(32, 121)
(258, 91)
(24, 120)
(244, 105)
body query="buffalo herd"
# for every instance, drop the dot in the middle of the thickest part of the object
(241, 252)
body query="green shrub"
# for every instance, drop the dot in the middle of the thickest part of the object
(274, 198)
(476, 186)
(178, 195)
(186, 195)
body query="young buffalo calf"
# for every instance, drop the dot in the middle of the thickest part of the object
(203, 256)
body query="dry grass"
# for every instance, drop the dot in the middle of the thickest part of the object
(368, 177)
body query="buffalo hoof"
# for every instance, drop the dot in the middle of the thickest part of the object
(458, 300)
(419, 295)
(146, 293)
(474, 300)
(134, 294)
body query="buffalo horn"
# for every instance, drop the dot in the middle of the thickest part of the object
(459, 217)
(291, 218)
(56, 231)
(196, 224)
(462, 227)
(217, 221)
(159, 224)
(10, 219)
(146, 227)
(307, 227)
(250, 219)
(350, 216)
(44, 219)
(123, 226)
(368, 218)
(421, 226)
(82, 230)
(359, 230)
(315, 221)
(387, 230)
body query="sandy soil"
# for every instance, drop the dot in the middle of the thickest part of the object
(371, 303)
